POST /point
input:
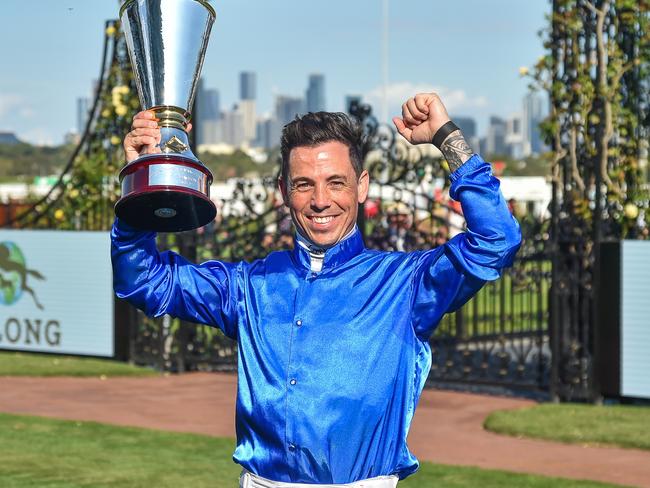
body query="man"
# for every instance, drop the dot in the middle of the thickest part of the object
(332, 337)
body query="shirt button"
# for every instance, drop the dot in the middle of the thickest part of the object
(298, 322)
(293, 382)
(292, 447)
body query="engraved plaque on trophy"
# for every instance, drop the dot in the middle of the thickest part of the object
(167, 190)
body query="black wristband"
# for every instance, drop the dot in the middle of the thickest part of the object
(442, 133)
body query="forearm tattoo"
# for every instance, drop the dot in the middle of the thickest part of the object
(455, 150)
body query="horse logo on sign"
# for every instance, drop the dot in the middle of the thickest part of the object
(14, 275)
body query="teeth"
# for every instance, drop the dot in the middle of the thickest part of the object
(322, 220)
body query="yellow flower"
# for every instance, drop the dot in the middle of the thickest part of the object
(74, 193)
(118, 90)
(631, 211)
(106, 113)
(115, 140)
(121, 110)
(523, 71)
(110, 30)
(59, 214)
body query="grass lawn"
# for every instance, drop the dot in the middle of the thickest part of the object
(614, 425)
(38, 452)
(517, 302)
(26, 364)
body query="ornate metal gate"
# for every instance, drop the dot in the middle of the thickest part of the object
(534, 329)
(499, 338)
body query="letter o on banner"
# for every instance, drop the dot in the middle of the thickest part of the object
(17, 329)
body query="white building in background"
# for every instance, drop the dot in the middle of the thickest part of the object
(22, 191)
(249, 120)
(287, 107)
(533, 114)
(246, 105)
(232, 128)
(533, 192)
(208, 113)
(268, 132)
(515, 141)
(495, 141)
(257, 154)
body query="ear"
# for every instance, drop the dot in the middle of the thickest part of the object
(362, 186)
(282, 186)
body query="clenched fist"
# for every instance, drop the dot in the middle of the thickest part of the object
(422, 116)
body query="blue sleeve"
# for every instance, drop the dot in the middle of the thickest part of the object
(166, 283)
(446, 277)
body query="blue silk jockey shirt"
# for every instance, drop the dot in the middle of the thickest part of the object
(331, 364)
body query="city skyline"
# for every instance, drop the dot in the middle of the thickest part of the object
(38, 92)
(517, 135)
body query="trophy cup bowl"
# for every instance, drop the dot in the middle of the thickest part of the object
(167, 190)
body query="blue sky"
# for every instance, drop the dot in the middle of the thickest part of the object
(467, 50)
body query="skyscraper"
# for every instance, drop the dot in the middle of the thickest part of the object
(246, 107)
(232, 127)
(268, 132)
(467, 126)
(208, 112)
(249, 120)
(514, 138)
(286, 108)
(496, 137)
(247, 82)
(533, 116)
(315, 94)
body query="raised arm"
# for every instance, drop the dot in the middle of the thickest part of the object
(166, 283)
(447, 277)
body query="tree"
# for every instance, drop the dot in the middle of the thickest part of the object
(596, 72)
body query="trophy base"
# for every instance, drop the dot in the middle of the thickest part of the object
(165, 194)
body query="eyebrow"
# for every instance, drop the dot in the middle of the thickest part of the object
(337, 177)
(307, 179)
(300, 179)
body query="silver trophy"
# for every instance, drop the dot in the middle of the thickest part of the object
(167, 190)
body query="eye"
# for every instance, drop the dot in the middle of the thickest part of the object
(337, 184)
(301, 186)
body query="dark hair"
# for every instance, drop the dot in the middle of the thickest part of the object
(316, 128)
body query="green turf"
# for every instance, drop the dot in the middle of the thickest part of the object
(26, 364)
(38, 452)
(615, 425)
(516, 303)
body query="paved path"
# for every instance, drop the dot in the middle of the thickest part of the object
(447, 427)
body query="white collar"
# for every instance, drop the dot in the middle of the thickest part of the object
(317, 253)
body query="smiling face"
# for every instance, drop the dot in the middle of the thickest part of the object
(323, 192)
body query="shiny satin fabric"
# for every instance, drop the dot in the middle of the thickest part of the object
(331, 364)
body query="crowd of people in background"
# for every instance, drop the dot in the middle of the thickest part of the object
(388, 225)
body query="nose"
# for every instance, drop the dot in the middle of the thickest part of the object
(320, 198)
